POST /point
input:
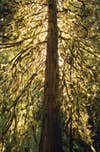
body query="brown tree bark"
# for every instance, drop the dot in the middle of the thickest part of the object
(51, 131)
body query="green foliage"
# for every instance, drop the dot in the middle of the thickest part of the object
(23, 36)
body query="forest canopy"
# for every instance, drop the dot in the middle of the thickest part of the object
(50, 75)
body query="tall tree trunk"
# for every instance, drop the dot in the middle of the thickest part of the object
(51, 132)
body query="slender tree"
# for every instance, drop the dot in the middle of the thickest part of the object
(51, 134)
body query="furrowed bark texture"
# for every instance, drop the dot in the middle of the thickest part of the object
(51, 132)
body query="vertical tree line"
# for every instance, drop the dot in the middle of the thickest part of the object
(51, 132)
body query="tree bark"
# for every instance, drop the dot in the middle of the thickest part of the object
(51, 131)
